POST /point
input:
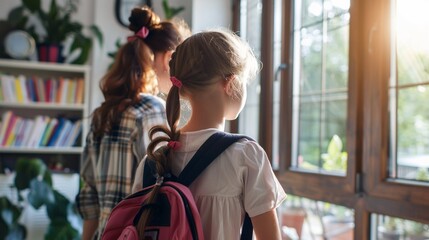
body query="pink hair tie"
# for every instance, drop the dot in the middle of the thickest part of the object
(174, 145)
(176, 82)
(142, 33)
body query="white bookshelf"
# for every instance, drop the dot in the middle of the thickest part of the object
(29, 109)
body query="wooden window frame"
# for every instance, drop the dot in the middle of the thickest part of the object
(366, 188)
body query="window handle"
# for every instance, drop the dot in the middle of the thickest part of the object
(280, 68)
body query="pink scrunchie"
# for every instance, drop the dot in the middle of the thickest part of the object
(176, 82)
(142, 33)
(174, 145)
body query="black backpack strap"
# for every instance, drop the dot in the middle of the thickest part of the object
(247, 229)
(206, 154)
(148, 173)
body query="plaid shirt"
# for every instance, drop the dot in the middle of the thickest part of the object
(108, 164)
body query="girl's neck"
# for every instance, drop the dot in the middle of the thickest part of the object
(207, 112)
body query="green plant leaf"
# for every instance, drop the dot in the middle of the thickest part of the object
(15, 16)
(26, 170)
(61, 229)
(335, 159)
(58, 209)
(9, 216)
(10, 213)
(96, 31)
(32, 5)
(169, 11)
(335, 145)
(40, 194)
(83, 43)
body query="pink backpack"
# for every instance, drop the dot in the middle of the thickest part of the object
(175, 214)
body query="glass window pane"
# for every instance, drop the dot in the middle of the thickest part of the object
(409, 93)
(337, 48)
(322, 133)
(303, 218)
(311, 11)
(250, 29)
(311, 59)
(386, 228)
(309, 133)
(320, 82)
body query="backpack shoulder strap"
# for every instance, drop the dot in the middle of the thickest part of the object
(206, 154)
(148, 173)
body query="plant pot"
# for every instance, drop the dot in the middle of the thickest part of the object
(386, 234)
(50, 52)
(293, 218)
(424, 236)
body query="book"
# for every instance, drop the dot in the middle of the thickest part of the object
(80, 91)
(23, 86)
(36, 133)
(5, 122)
(77, 128)
(27, 133)
(48, 131)
(64, 132)
(9, 134)
(14, 136)
(56, 132)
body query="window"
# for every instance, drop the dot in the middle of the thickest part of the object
(346, 88)
(320, 79)
(250, 29)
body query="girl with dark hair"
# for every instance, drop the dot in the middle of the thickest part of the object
(118, 137)
(210, 69)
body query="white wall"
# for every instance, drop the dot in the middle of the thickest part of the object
(211, 14)
(199, 14)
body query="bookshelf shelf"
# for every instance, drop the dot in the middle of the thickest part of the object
(54, 98)
(52, 106)
(44, 150)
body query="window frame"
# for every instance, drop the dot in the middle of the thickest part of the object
(366, 188)
(292, 178)
(408, 200)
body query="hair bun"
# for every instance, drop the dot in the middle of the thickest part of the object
(142, 17)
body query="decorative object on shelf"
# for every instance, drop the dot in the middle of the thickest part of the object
(19, 44)
(34, 176)
(58, 27)
(123, 9)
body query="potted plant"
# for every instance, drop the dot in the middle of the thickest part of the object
(416, 230)
(335, 159)
(390, 229)
(58, 27)
(293, 214)
(33, 174)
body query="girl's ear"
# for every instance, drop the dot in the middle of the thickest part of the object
(229, 85)
(166, 60)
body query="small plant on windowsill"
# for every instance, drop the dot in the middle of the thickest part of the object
(293, 214)
(390, 229)
(335, 159)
